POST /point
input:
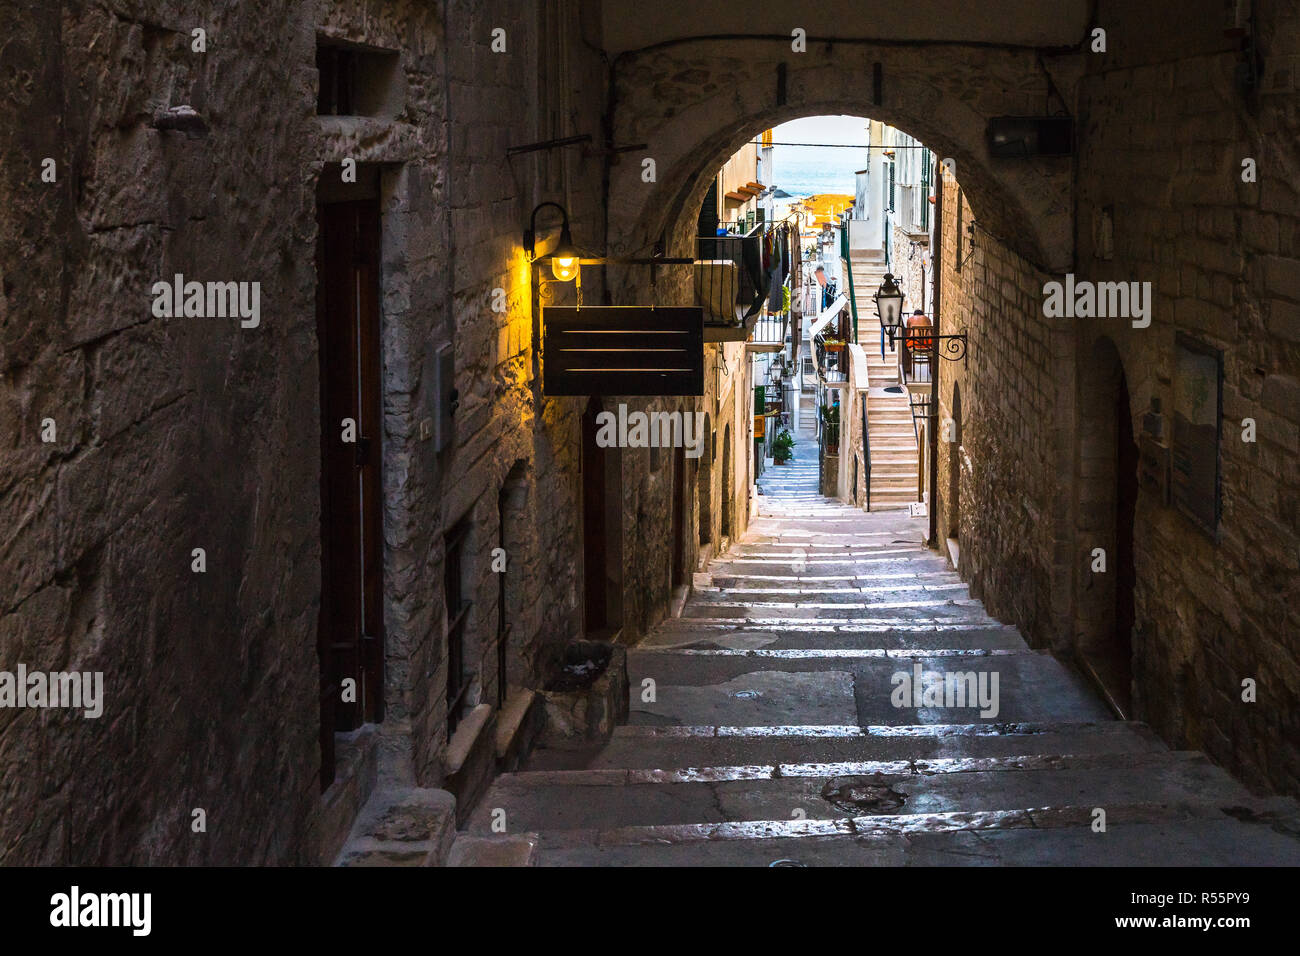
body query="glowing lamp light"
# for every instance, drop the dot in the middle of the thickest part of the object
(564, 257)
(564, 267)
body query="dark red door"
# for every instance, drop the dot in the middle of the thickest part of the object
(350, 633)
(594, 554)
(679, 505)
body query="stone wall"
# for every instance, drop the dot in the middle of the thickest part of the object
(172, 434)
(1006, 453)
(181, 433)
(1165, 131)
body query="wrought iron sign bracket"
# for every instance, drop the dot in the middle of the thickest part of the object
(951, 347)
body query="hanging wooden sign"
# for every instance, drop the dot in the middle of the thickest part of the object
(622, 350)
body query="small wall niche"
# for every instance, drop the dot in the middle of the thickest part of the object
(358, 80)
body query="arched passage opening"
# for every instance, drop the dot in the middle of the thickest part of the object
(1107, 483)
(704, 484)
(954, 467)
(728, 483)
(724, 101)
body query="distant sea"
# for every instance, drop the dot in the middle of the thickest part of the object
(809, 170)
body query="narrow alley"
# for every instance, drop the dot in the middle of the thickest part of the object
(772, 738)
(582, 433)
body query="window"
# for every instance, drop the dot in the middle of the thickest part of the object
(891, 187)
(357, 81)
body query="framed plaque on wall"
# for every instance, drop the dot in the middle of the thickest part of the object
(1198, 403)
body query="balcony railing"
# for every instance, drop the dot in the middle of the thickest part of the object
(830, 348)
(916, 358)
(736, 292)
(730, 284)
(915, 351)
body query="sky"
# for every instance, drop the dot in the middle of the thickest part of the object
(803, 171)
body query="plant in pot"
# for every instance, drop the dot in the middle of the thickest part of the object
(783, 447)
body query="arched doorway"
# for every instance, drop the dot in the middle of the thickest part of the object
(677, 560)
(704, 484)
(1107, 485)
(954, 467)
(728, 482)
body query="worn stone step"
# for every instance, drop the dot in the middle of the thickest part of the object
(902, 792)
(771, 583)
(711, 746)
(926, 607)
(756, 686)
(827, 637)
(860, 596)
(496, 850)
(402, 827)
(1135, 836)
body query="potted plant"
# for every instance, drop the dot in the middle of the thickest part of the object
(783, 447)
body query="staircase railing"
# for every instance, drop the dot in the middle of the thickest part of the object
(848, 271)
(866, 448)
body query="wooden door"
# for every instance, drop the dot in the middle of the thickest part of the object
(678, 521)
(594, 553)
(350, 632)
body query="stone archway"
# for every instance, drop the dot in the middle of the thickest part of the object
(694, 106)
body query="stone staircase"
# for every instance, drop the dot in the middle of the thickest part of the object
(894, 459)
(772, 735)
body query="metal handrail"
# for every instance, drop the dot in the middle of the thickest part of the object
(848, 270)
(866, 448)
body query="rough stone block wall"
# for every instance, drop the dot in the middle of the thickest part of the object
(172, 434)
(1009, 462)
(182, 433)
(1165, 132)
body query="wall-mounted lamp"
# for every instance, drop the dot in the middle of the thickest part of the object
(564, 257)
(889, 307)
(970, 242)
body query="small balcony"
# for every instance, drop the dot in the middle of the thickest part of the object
(735, 291)
(830, 349)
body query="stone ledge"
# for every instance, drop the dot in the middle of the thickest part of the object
(513, 721)
(463, 740)
(355, 773)
(471, 758)
(409, 827)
